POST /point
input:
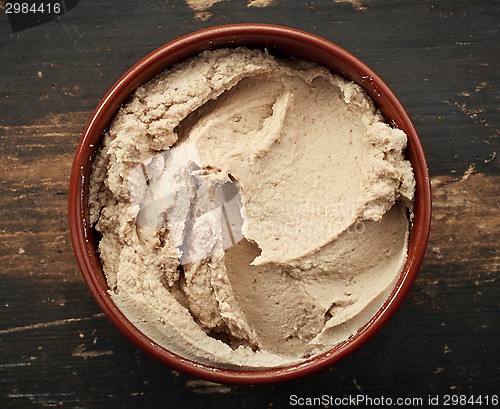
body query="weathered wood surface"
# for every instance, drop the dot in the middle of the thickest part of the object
(440, 57)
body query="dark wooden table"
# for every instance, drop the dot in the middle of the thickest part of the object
(441, 58)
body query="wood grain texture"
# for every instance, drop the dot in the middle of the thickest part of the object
(441, 58)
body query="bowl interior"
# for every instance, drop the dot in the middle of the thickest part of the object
(280, 41)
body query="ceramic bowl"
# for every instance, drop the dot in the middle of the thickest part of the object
(280, 41)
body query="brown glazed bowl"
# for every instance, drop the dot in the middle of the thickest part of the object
(281, 41)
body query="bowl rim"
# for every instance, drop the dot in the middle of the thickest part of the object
(84, 242)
